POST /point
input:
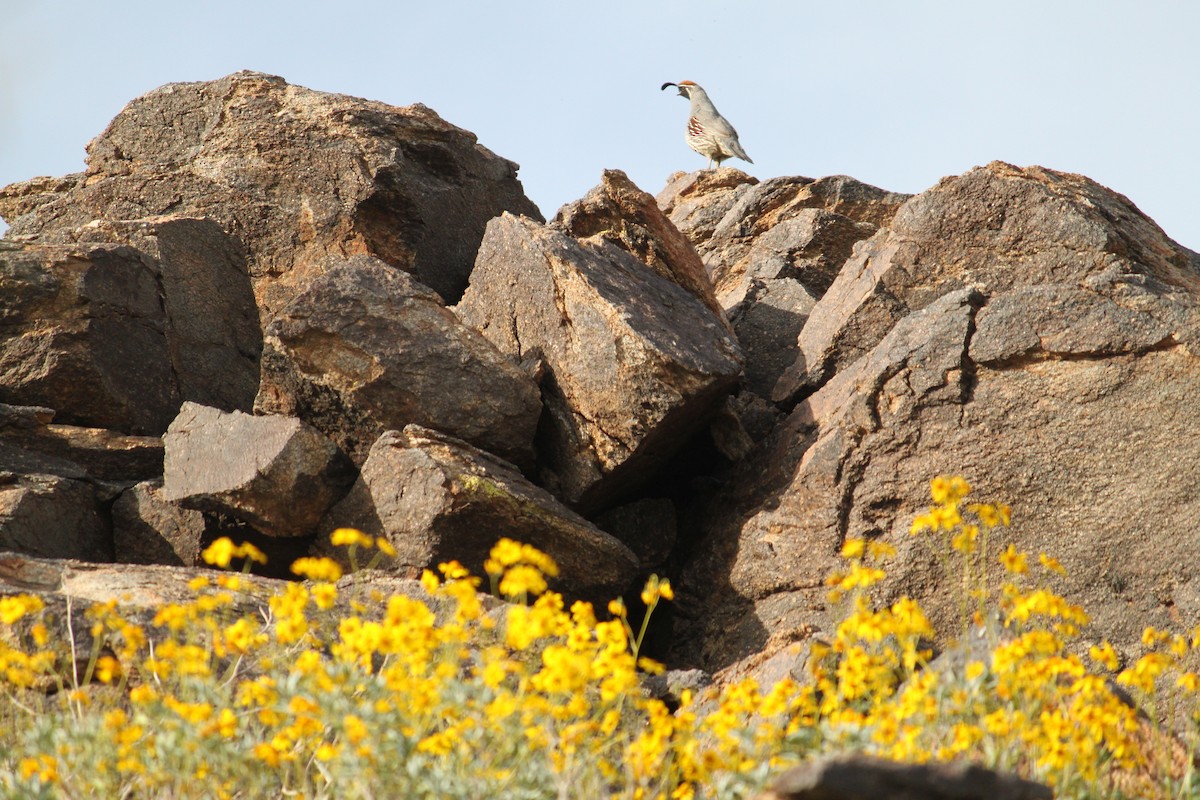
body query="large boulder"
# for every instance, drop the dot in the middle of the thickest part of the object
(634, 363)
(276, 473)
(212, 329)
(997, 228)
(297, 175)
(367, 348)
(1048, 358)
(52, 516)
(83, 331)
(436, 498)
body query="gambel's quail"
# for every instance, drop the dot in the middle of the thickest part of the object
(708, 133)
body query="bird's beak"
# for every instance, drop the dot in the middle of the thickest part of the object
(665, 85)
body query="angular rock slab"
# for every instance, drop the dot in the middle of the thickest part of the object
(150, 530)
(276, 473)
(785, 227)
(995, 228)
(368, 349)
(620, 213)
(436, 498)
(51, 516)
(83, 331)
(213, 335)
(853, 777)
(634, 363)
(92, 454)
(297, 175)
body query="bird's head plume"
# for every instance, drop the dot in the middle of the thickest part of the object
(685, 87)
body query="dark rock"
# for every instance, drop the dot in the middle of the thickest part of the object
(82, 331)
(366, 349)
(296, 175)
(276, 473)
(767, 321)
(634, 364)
(859, 777)
(646, 526)
(93, 454)
(54, 517)
(147, 529)
(212, 329)
(436, 498)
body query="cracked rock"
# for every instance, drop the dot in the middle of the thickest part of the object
(1028, 330)
(367, 349)
(634, 363)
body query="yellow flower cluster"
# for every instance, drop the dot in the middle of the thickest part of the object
(450, 694)
(365, 696)
(1029, 705)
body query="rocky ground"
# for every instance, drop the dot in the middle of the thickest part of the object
(268, 312)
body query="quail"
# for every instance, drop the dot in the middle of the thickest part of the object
(708, 133)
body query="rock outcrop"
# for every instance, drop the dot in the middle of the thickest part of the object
(367, 348)
(295, 174)
(1043, 349)
(634, 363)
(722, 386)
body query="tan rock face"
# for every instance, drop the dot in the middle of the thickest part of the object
(995, 228)
(296, 175)
(1046, 358)
(634, 363)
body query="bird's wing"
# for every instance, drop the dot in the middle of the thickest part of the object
(719, 124)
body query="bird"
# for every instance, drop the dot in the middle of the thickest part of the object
(708, 133)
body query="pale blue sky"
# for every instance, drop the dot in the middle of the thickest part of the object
(897, 94)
